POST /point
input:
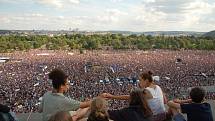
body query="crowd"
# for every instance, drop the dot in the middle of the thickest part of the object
(24, 78)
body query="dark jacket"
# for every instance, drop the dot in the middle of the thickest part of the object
(5, 113)
(131, 113)
(4, 109)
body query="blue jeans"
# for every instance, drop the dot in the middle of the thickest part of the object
(179, 117)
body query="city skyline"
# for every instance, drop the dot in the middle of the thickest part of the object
(105, 15)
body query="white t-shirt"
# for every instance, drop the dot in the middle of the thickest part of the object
(157, 102)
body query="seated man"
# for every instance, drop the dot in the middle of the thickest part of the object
(55, 101)
(195, 108)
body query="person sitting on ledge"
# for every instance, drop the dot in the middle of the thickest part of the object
(55, 101)
(195, 108)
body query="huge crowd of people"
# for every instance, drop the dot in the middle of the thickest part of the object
(24, 77)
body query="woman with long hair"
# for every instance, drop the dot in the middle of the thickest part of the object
(98, 110)
(154, 96)
(138, 109)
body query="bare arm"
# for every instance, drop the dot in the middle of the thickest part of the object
(120, 97)
(117, 97)
(182, 101)
(85, 104)
(80, 113)
(173, 104)
(176, 103)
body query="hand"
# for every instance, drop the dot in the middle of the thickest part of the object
(177, 101)
(87, 99)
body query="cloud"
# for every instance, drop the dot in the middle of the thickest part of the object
(55, 3)
(144, 15)
(74, 1)
(150, 15)
(149, 1)
(198, 12)
(58, 3)
(4, 20)
(115, 1)
(37, 15)
(111, 16)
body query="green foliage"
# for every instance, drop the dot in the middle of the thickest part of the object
(92, 42)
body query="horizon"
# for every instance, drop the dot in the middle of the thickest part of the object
(102, 30)
(108, 15)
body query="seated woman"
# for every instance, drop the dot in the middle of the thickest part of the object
(154, 95)
(98, 110)
(55, 101)
(138, 109)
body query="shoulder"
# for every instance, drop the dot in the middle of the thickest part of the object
(47, 94)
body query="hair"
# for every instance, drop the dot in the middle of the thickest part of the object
(61, 116)
(137, 97)
(98, 110)
(147, 75)
(197, 94)
(58, 78)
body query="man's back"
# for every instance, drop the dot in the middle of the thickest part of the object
(55, 102)
(197, 111)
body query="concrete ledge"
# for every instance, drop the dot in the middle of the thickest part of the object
(38, 116)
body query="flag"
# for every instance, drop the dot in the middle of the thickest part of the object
(85, 69)
(167, 78)
(203, 74)
(37, 84)
(112, 69)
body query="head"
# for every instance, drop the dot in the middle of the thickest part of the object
(138, 98)
(59, 80)
(197, 94)
(98, 110)
(146, 79)
(61, 116)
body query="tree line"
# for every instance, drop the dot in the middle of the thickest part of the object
(109, 41)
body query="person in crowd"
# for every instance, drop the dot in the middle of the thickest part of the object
(195, 108)
(98, 110)
(55, 101)
(6, 114)
(138, 109)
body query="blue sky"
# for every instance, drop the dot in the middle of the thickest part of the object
(92, 15)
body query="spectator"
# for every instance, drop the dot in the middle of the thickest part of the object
(98, 110)
(138, 109)
(5, 114)
(156, 103)
(196, 109)
(55, 101)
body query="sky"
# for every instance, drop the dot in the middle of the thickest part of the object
(104, 15)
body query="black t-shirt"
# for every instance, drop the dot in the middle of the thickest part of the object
(197, 111)
(132, 113)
